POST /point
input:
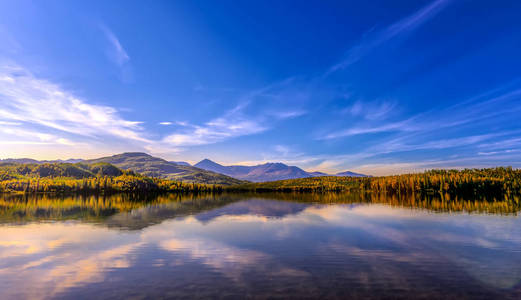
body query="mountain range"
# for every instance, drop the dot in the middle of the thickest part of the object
(205, 171)
(265, 172)
(157, 167)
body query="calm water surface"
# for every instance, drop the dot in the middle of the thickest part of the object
(255, 246)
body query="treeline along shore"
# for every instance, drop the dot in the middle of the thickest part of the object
(491, 183)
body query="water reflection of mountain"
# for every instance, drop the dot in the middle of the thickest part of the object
(128, 212)
(156, 213)
(255, 206)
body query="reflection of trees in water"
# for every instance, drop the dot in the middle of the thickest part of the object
(135, 212)
(436, 202)
(100, 209)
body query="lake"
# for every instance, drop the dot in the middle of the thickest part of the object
(257, 246)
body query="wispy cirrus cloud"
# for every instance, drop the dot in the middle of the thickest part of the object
(115, 52)
(375, 39)
(371, 110)
(500, 152)
(289, 114)
(232, 124)
(405, 125)
(49, 114)
(10, 123)
(514, 142)
(401, 144)
(492, 108)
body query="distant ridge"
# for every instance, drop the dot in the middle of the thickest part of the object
(317, 174)
(265, 172)
(209, 165)
(34, 161)
(351, 174)
(181, 163)
(20, 161)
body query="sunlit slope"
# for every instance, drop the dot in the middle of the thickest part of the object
(87, 178)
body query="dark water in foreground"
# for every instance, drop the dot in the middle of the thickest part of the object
(256, 246)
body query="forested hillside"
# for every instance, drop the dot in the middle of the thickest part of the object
(86, 178)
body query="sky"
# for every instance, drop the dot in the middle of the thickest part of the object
(379, 87)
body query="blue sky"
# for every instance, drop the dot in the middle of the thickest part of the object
(380, 87)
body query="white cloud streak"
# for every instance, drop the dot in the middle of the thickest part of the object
(289, 114)
(232, 124)
(116, 53)
(376, 39)
(47, 112)
(406, 125)
(10, 123)
(375, 110)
